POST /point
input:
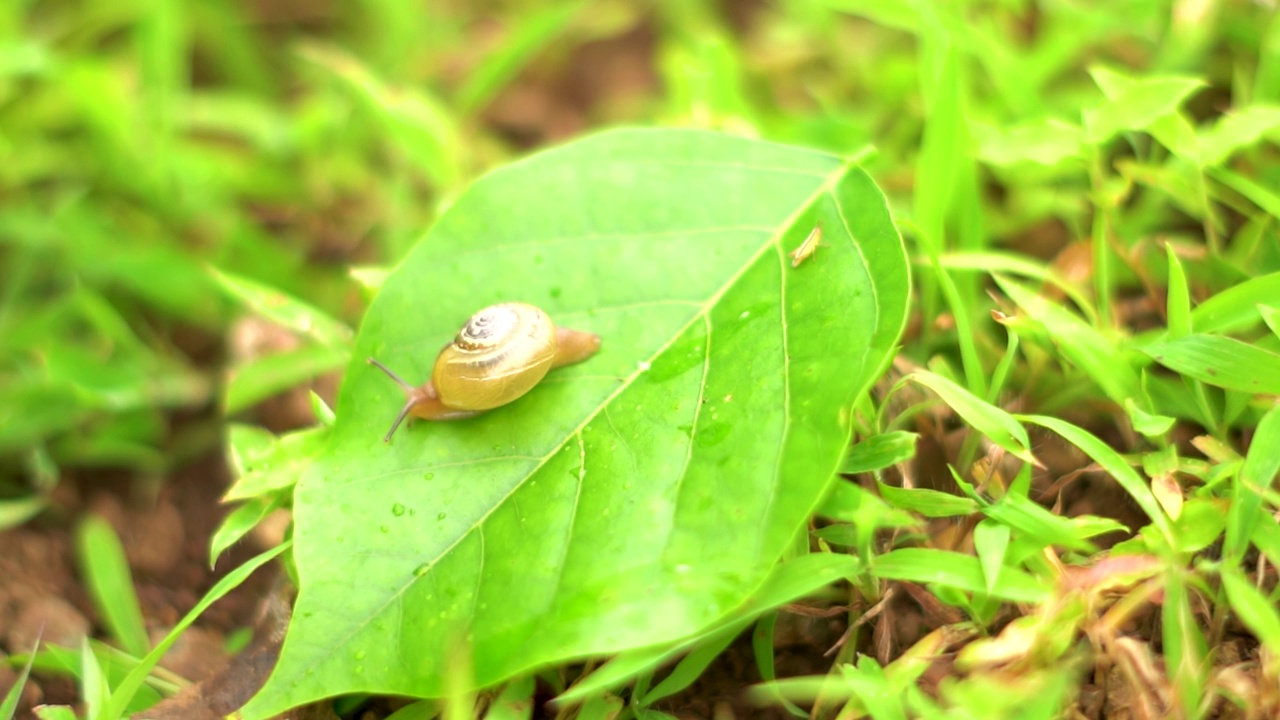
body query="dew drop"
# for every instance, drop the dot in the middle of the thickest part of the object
(384, 529)
(441, 516)
(428, 476)
(397, 509)
(360, 654)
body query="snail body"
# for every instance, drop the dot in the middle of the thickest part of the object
(498, 356)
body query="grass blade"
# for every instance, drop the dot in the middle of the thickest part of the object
(111, 585)
(1220, 361)
(1258, 472)
(1110, 461)
(125, 691)
(1001, 427)
(10, 704)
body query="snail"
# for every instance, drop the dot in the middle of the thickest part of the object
(497, 357)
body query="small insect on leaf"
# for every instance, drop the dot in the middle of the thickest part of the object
(807, 248)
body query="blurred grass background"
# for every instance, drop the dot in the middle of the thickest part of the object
(146, 143)
(186, 187)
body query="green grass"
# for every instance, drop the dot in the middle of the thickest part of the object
(1087, 196)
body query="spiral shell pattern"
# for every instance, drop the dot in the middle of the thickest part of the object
(499, 355)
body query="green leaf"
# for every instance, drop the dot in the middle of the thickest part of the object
(1148, 424)
(1082, 344)
(867, 682)
(991, 541)
(762, 647)
(601, 707)
(1113, 463)
(1179, 301)
(1266, 536)
(1003, 262)
(1033, 521)
(10, 705)
(1251, 606)
(19, 510)
(55, 712)
(957, 571)
(421, 710)
(1237, 130)
(692, 665)
(1263, 196)
(533, 32)
(94, 687)
(324, 414)
(240, 522)
(1184, 644)
(880, 451)
(265, 464)
(284, 310)
(1174, 131)
(1134, 104)
(252, 382)
(1235, 308)
(789, 582)
(630, 500)
(414, 121)
(1046, 141)
(999, 426)
(1199, 524)
(1257, 474)
(515, 702)
(1220, 361)
(929, 503)
(115, 664)
(107, 574)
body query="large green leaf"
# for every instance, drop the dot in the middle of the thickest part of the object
(629, 500)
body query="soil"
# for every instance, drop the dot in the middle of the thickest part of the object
(166, 540)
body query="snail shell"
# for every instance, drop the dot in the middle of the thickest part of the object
(498, 356)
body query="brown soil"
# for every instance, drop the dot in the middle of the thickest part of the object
(166, 540)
